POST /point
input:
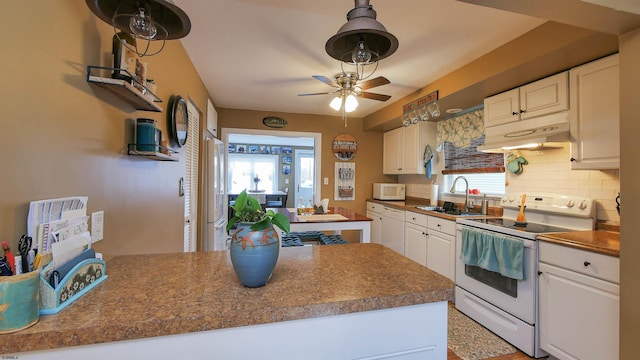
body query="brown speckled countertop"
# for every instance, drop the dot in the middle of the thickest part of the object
(164, 294)
(411, 203)
(599, 241)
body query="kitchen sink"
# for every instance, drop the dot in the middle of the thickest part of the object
(452, 212)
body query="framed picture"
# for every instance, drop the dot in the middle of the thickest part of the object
(275, 150)
(286, 159)
(286, 169)
(232, 148)
(264, 149)
(242, 149)
(253, 149)
(287, 150)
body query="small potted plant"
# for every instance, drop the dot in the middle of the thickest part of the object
(254, 243)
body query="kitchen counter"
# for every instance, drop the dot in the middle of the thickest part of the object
(165, 294)
(599, 241)
(410, 205)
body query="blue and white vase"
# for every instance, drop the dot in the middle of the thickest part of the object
(254, 254)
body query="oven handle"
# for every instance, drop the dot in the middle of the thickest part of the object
(531, 244)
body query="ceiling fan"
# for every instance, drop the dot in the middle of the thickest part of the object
(346, 83)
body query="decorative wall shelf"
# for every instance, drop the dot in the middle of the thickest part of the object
(154, 155)
(141, 101)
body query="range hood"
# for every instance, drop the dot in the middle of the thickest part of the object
(523, 133)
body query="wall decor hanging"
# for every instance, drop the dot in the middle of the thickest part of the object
(178, 119)
(345, 181)
(274, 122)
(345, 147)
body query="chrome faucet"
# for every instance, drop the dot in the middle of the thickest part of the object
(466, 191)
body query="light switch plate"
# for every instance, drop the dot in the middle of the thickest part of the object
(326, 181)
(97, 226)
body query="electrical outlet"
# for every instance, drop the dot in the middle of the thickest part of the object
(97, 226)
(286, 181)
(326, 181)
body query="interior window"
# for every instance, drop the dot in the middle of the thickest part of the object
(244, 168)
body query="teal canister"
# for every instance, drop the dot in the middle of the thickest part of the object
(19, 301)
(146, 134)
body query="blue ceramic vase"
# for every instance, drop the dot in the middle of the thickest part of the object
(254, 254)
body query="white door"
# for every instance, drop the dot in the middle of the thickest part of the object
(190, 184)
(304, 176)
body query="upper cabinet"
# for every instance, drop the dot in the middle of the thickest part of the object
(595, 115)
(542, 97)
(404, 149)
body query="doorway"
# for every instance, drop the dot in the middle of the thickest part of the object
(282, 139)
(305, 186)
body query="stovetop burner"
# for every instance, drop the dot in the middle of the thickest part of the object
(529, 227)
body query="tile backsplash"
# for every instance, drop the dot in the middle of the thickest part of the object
(548, 171)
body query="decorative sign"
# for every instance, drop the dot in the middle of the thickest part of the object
(345, 147)
(274, 122)
(421, 101)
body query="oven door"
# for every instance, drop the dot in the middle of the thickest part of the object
(516, 297)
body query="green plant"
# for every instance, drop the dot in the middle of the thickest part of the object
(247, 209)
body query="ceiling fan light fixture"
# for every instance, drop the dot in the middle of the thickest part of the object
(350, 103)
(361, 31)
(336, 103)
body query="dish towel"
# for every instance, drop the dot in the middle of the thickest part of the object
(493, 252)
(428, 155)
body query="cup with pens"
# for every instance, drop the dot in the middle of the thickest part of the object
(19, 298)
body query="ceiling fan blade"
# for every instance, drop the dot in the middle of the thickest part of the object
(320, 93)
(379, 81)
(325, 80)
(374, 96)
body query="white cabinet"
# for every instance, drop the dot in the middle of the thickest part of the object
(441, 246)
(415, 236)
(374, 212)
(579, 303)
(595, 115)
(431, 241)
(542, 97)
(391, 226)
(404, 148)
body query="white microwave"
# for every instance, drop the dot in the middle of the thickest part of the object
(386, 191)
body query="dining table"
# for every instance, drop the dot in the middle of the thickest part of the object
(335, 219)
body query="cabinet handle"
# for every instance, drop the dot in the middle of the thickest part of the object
(539, 273)
(438, 226)
(522, 111)
(586, 263)
(572, 159)
(514, 113)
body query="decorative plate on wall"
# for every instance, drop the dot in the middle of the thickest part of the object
(178, 119)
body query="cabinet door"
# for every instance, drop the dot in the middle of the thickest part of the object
(546, 96)
(392, 230)
(415, 243)
(502, 108)
(391, 151)
(376, 226)
(441, 253)
(579, 315)
(411, 154)
(595, 115)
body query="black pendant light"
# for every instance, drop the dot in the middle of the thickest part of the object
(147, 20)
(362, 40)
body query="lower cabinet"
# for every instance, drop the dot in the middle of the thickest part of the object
(388, 226)
(441, 247)
(579, 299)
(415, 237)
(374, 213)
(430, 241)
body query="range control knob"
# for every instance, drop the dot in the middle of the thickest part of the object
(582, 205)
(570, 203)
(512, 199)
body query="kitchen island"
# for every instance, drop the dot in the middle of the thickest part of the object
(336, 301)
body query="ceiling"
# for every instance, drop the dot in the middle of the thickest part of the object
(260, 54)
